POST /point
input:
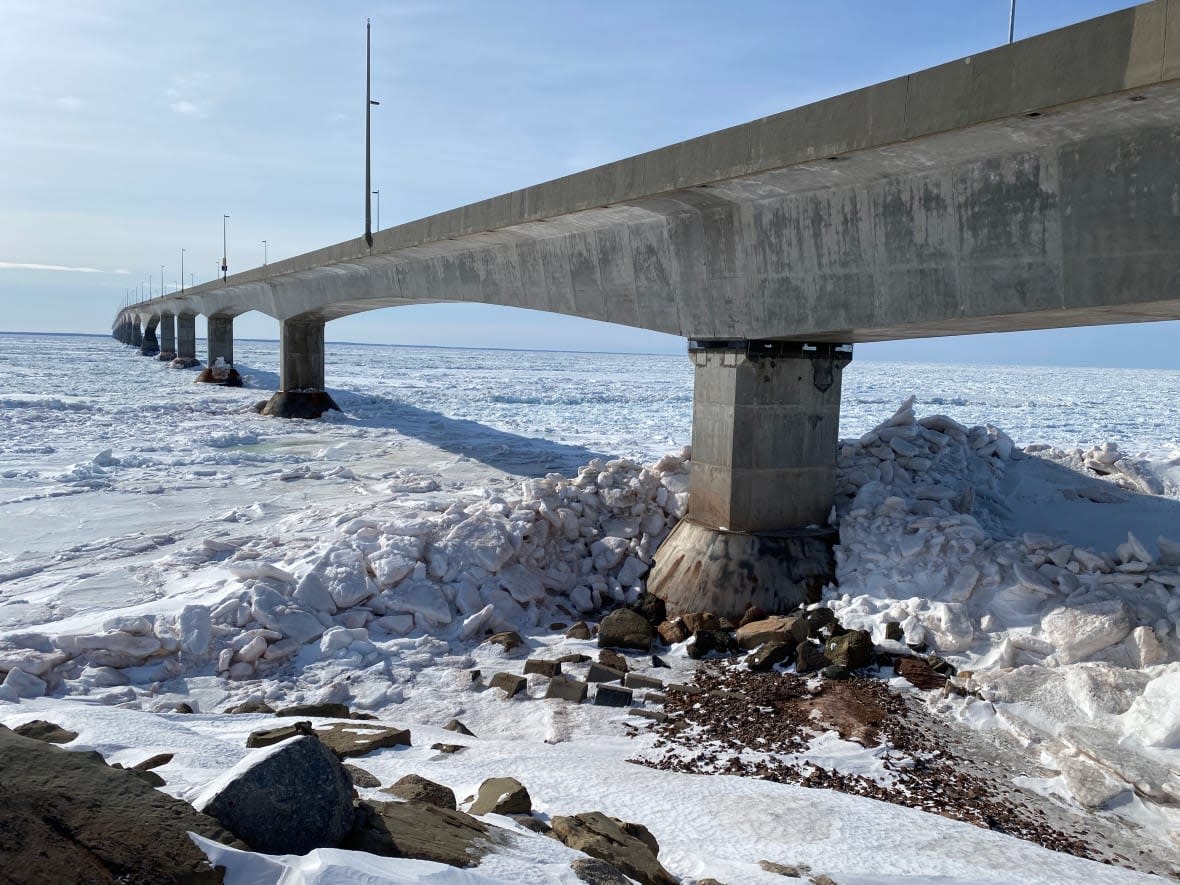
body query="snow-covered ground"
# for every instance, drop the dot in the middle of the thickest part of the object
(160, 542)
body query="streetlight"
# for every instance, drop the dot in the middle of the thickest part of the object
(190, 279)
(161, 281)
(224, 266)
(182, 270)
(264, 253)
(1011, 21)
(377, 194)
(368, 127)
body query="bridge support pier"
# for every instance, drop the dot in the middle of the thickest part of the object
(186, 342)
(301, 391)
(167, 337)
(764, 433)
(221, 347)
(136, 338)
(150, 345)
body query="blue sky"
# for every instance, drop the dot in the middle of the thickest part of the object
(130, 128)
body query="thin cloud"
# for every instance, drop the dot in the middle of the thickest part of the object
(69, 103)
(14, 265)
(187, 95)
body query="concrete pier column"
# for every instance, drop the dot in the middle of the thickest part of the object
(167, 337)
(150, 346)
(136, 334)
(186, 342)
(301, 391)
(221, 347)
(764, 433)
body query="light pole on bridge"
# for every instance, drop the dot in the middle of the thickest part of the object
(264, 253)
(224, 266)
(182, 270)
(161, 281)
(368, 129)
(377, 194)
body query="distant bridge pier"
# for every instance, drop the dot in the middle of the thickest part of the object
(150, 345)
(186, 341)
(764, 433)
(221, 347)
(167, 337)
(301, 391)
(136, 334)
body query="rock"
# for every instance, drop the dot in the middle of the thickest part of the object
(751, 614)
(695, 621)
(672, 632)
(419, 789)
(603, 673)
(770, 655)
(653, 715)
(548, 669)
(566, 689)
(574, 658)
(49, 732)
(705, 641)
(893, 631)
(791, 871)
(509, 639)
(448, 748)
(657, 661)
(509, 683)
(918, 673)
(599, 836)
(362, 778)
(598, 872)
(809, 657)
(291, 799)
(184, 708)
(1077, 632)
(578, 631)
(153, 762)
(836, 672)
(531, 823)
(269, 736)
(636, 680)
(818, 619)
(351, 739)
(250, 707)
(623, 628)
(68, 817)
(327, 710)
(612, 696)
(459, 728)
(792, 629)
(502, 795)
(650, 607)
(425, 832)
(851, 650)
(612, 659)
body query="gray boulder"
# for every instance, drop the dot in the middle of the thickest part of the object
(422, 831)
(294, 798)
(852, 650)
(502, 795)
(624, 628)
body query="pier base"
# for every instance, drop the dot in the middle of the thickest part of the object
(765, 424)
(186, 342)
(221, 346)
(299, 404)
(699, 568)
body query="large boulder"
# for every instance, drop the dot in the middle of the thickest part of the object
(422, 831)
(608, 839)
(792, 629)
(624, 628)
(289, 798)
(417, 788)
(851, 650)
(68, 817)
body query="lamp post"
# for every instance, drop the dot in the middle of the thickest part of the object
(1011, 21)
(182, 270)
(368, 129)
(377, 194)
(224, 266)
(149, 287)
(190, 279)
(264, 253)
(162, 281)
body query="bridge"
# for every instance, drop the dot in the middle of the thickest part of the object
(1031, 186)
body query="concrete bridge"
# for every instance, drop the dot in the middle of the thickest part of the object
(1035, 185)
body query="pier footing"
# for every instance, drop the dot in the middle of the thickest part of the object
(299, 404)
(699, 568)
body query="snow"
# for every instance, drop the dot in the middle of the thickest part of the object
(163, 543)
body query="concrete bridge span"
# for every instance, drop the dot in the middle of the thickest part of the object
(1034, 185)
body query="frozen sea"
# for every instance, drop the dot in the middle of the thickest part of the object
(133, 500)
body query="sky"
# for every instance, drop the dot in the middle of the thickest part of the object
(129, 129)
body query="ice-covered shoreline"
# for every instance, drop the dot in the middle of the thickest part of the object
(362, 560)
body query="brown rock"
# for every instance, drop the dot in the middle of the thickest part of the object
(769, 655)
(695, 621)
(612, 659)
(624, 628)
(153, 762)
(250, 707)
(425, 832)
(853, 649)
(809, 657)
(268, 736)
(548, 669)
(792, 629)
(580, 630)
(458, 727)
(357, 738)
(751, 614)
(416, 788)
(672, 632)
(509, 683)
(919, 673)
(509, 639)
(362, 778)
(566, 689)
(502, 795)
(328, 711)
(600, 836)
(49, 732)
(68, 817)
